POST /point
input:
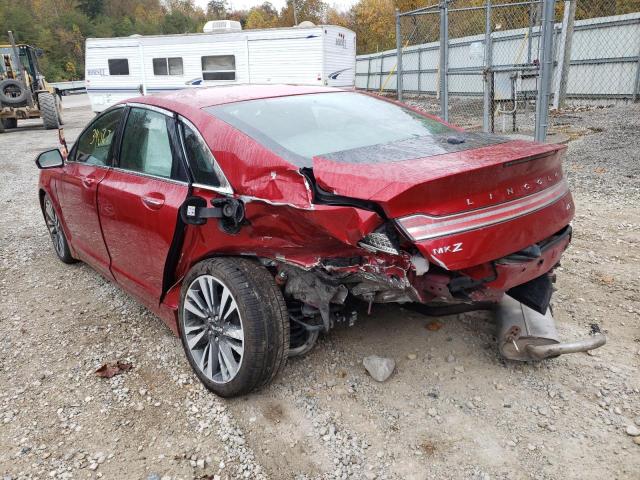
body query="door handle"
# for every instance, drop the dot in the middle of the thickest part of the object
(154, 202)
(88, 181)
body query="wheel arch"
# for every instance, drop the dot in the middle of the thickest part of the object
(171, 297)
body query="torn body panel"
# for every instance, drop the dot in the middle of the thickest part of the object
(432, 218)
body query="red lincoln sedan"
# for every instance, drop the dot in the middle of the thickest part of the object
(249, 217)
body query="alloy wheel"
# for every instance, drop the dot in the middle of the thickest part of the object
(213, 329)
(53, 225)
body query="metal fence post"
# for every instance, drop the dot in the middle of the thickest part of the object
(636, 83)
(398, 56)
(546, 70)
(488, 60)
(368, 72)
(444, 60)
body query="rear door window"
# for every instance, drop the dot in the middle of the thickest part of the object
(203, 164)
(146, 145)
(94, 144)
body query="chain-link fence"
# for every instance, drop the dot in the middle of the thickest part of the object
(484, 64)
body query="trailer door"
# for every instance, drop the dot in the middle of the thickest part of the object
(112, 73)
(296, 59)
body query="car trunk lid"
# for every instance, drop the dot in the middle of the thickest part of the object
(512, 178)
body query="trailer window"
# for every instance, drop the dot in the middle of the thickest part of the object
(167, 66)
(219, 67)
(118, 66)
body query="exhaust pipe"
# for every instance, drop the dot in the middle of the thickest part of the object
(526, 335)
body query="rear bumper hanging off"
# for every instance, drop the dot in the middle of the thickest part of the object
(526, 335)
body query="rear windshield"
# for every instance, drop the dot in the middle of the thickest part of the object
(301, 127)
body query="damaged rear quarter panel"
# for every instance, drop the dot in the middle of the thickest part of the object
(281, 221)
(281, 232)
(252, 169)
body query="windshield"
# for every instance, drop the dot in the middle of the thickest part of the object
(301, 127)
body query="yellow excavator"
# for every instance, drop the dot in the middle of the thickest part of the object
(24, 93)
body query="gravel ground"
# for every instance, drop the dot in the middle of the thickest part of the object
(452, 410)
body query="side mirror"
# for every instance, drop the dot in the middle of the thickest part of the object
(49, 159)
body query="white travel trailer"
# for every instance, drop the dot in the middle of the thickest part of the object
(124, 67)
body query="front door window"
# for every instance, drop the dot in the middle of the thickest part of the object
(94, 144)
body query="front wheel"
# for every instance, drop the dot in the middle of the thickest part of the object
(58, 238)
(233, 325)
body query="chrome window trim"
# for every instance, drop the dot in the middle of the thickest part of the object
(161, 110)
(224, 187)
(148, 175)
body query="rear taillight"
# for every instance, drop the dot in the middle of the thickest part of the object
(424, 227)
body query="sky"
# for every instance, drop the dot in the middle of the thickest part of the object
(278, 4)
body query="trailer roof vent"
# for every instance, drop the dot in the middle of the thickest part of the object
(306, 24)
(222, 26)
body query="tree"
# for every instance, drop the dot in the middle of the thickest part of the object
(217, 10)
(262, 16)
(337, 17)
(305, 10)
(374, 24)
(91, 8)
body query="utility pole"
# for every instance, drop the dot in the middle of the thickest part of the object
(295, 14)
(564, 58)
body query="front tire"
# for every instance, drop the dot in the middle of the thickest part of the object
(58, 238)
(234, 325)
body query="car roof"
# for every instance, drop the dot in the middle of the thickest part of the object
(201, 97)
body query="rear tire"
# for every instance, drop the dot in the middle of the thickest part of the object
(48, 111)
(58, 238)
(239, 344)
